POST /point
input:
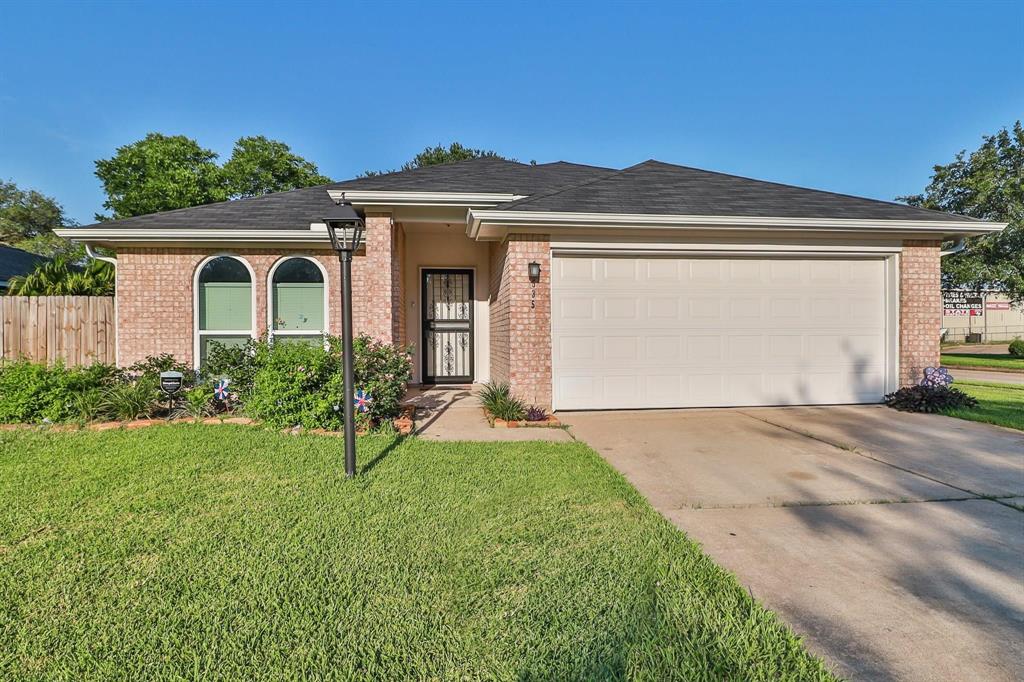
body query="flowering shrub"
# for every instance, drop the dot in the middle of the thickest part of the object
(294, 383)
(282, 383)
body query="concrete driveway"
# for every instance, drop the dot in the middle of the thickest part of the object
(894, 543)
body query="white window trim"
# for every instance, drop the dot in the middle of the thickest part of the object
(271, 332)
(198, 333)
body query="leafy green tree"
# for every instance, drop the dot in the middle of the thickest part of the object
(159, 173)
(164, 172)
(261, 166)
(432, 156)
(26, 214)
(59, 277)
(987, 184)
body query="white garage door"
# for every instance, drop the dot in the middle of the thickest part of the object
(687, 332)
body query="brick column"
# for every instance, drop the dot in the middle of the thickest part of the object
(521, 317)
(377, 282)
(920, 309)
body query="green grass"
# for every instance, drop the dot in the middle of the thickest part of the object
(996, 361)
(195, 551)
(1001, 404)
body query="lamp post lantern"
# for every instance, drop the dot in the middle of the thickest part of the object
(345, 228)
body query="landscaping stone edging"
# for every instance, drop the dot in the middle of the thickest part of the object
(549, 422)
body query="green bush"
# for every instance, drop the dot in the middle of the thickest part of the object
(301, 384)
(32, 392)
(237, 363)
(1017, 347)
(497, 399)
(132, 399)
(153, 365)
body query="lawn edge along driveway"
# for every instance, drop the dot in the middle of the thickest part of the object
(190, 551)
(998, 404)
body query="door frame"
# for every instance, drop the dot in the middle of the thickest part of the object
(464, 379)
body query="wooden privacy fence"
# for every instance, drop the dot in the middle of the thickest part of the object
(76, 329)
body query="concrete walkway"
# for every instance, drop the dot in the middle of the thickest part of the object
(455, 413)
(872, 532)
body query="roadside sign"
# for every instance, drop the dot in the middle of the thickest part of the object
(963, 303)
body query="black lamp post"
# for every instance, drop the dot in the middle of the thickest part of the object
(345, 227)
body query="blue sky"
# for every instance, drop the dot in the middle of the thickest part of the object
(861, 98)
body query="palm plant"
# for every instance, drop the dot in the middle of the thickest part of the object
(60, 277)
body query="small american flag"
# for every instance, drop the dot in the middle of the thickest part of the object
(362, 400)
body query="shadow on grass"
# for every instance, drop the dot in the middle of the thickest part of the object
(380, 456)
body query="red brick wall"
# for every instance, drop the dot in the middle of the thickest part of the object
(920, 309)
(521, 317)
(155, 297)
(381, 311)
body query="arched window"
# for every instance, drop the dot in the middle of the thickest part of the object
(224, 304)
(298, 301)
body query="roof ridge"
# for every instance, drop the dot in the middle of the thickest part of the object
(800, 187)
(527, 200)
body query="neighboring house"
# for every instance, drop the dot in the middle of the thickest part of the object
(659, 285)
(16, 263)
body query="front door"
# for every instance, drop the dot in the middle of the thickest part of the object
(447, 326)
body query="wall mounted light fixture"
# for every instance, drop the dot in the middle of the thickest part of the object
(534, 272)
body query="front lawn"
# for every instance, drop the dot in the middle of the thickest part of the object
(220, 551)
(1003, 361)
(1001, 404)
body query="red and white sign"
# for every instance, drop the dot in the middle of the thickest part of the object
(962, 304)
(997, 305)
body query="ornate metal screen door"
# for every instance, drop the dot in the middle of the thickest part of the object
(447, 326)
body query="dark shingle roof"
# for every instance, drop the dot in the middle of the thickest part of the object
(296, 208)
(486, 174)
(17, 262)
(653, 187)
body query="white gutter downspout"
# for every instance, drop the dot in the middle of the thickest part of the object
(960, 245)
(113, 261)
(95, 256)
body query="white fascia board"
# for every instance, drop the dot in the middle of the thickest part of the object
(513, 219)
(380, 198)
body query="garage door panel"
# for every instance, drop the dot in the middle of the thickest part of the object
(660, 332)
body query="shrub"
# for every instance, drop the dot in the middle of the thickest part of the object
(154, 364)
(497, 399)
(295, 384)
(90, 406)
(194, 402)
(302, 384)
(535, 413)
(32, 392)
(236, 363)
(132, 399)
(1017, 347)
(382, 370)
(929, 399)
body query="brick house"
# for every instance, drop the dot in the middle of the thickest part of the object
(583, 287)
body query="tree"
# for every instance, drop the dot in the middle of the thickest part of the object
(432, 156)
(987, 184)
(260, 166)
(164, 172)
(159, 173)
(59, 277)
(27, 214)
